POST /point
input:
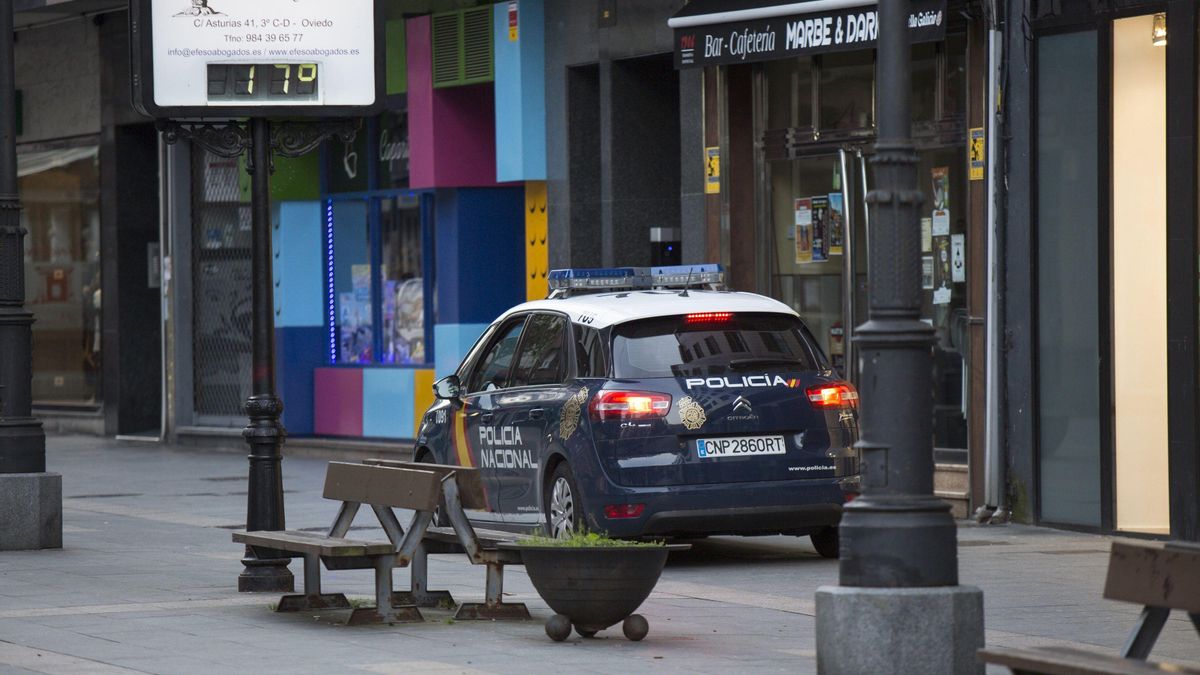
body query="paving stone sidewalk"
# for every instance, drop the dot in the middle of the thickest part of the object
(109, 602)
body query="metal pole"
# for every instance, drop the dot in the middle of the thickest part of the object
(22, 441)
(897, 534)
(265, 433)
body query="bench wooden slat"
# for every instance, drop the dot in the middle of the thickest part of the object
(399, 487)
(487, 538)
(470, 489)
(1071, 661)
(311, 542)
(1148, 574)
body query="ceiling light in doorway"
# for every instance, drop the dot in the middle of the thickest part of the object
(1159, 34)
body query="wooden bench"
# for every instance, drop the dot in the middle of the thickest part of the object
(461, 489)
(1160, 578)
(381, 488)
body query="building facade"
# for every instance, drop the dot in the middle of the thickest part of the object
(1101, 249)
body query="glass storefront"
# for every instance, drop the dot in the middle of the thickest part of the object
(1101, 277)
(816, 180)
(380, 255)
(60, 193)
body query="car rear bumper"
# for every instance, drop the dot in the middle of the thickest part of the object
(775, 507)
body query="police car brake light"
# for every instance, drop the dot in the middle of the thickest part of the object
(708, 317)
(833, 395)
(616, 405)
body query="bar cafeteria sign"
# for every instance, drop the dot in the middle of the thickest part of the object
(797, 35)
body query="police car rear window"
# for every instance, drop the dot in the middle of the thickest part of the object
(677, 347)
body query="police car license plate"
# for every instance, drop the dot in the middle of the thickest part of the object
(710, 448)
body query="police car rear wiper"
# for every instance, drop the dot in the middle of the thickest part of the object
(763, 361)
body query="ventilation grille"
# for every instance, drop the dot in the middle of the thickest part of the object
(462, 47)
(447, 61)
(477, 45)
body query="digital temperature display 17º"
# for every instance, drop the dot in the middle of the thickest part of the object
(262, 83)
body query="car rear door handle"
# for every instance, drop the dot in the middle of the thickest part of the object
(487, 418)
(536, 414)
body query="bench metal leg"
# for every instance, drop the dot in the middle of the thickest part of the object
(1145, 633)
(493, 608)
(312, 599)
(420, 595)
(383, 611)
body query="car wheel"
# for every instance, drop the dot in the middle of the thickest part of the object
(825, 541)
(563, 514)
(440, 519)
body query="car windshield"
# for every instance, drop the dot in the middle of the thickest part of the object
(675, 347)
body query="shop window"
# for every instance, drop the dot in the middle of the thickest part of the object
(847, 91)
(60, 192)
(956, 75)
(378, 282)
(924, 82)
(1067, 275)
(403, 283)
(789, 93)
(352, 275)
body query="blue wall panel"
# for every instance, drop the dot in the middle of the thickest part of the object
(298, 351)
(451, 343)
(299, 265)
(520, 93)
(480, 253)
(388, 403)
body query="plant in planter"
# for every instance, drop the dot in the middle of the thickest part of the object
(593, 582)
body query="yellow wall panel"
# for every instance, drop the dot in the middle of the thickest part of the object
(537, 252)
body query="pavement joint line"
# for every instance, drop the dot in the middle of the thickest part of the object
(731, 596)
(98, 506)
(47, 661)
(127, 608)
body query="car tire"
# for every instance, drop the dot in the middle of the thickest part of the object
(825, 541)
(440, 519)
(561, 505)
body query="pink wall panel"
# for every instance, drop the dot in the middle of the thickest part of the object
(420, 103)
(452, 131)
(338, 402)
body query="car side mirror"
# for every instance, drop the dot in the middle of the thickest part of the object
(448, 387)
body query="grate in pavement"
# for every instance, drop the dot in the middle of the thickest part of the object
(982, 542)
(106, 496)
(216, 479)
(1080, 551)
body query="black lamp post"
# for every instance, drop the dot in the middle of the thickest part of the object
(898, 541)
(897, 534)
(265, 433)
(22, 441)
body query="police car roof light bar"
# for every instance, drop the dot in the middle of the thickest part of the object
(564, 282)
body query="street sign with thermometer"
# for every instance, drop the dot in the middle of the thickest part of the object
(267, 58)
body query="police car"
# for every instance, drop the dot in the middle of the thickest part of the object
(650, 402)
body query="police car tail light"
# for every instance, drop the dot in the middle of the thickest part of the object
(835, 395)
(708, 317)
(615, 511)
(617, 405)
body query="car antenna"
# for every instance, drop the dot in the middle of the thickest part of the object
(687, 284)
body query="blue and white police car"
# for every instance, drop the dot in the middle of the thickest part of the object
(650, 402)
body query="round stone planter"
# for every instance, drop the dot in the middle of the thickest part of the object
(592, 588)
